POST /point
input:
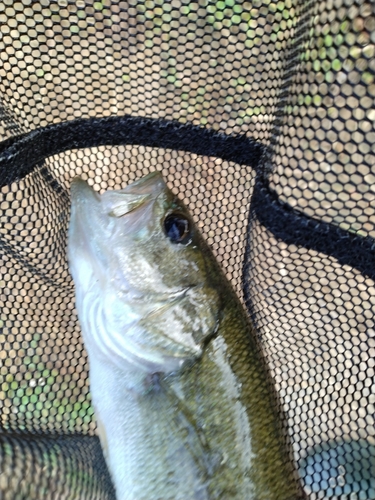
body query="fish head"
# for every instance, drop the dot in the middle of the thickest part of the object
(138, 255)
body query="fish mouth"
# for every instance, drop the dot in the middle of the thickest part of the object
(147, 188)
(118, 203)
(147, 181)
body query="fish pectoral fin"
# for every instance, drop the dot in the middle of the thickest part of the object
(184, 424)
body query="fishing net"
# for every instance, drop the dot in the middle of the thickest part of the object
(260, 115)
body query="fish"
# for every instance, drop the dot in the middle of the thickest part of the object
(182, 395)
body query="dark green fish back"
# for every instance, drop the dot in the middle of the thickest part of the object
(273, 472)
(269, 465)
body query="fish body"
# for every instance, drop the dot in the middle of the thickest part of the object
(181, 394)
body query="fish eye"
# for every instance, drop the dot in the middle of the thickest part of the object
(176, 227)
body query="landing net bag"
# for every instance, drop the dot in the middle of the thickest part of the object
(260, 116)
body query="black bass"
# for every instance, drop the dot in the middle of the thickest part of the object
(180, 392)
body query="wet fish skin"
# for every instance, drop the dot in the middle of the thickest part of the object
(181, 394)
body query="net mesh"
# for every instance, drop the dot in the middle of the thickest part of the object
(261, 117)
